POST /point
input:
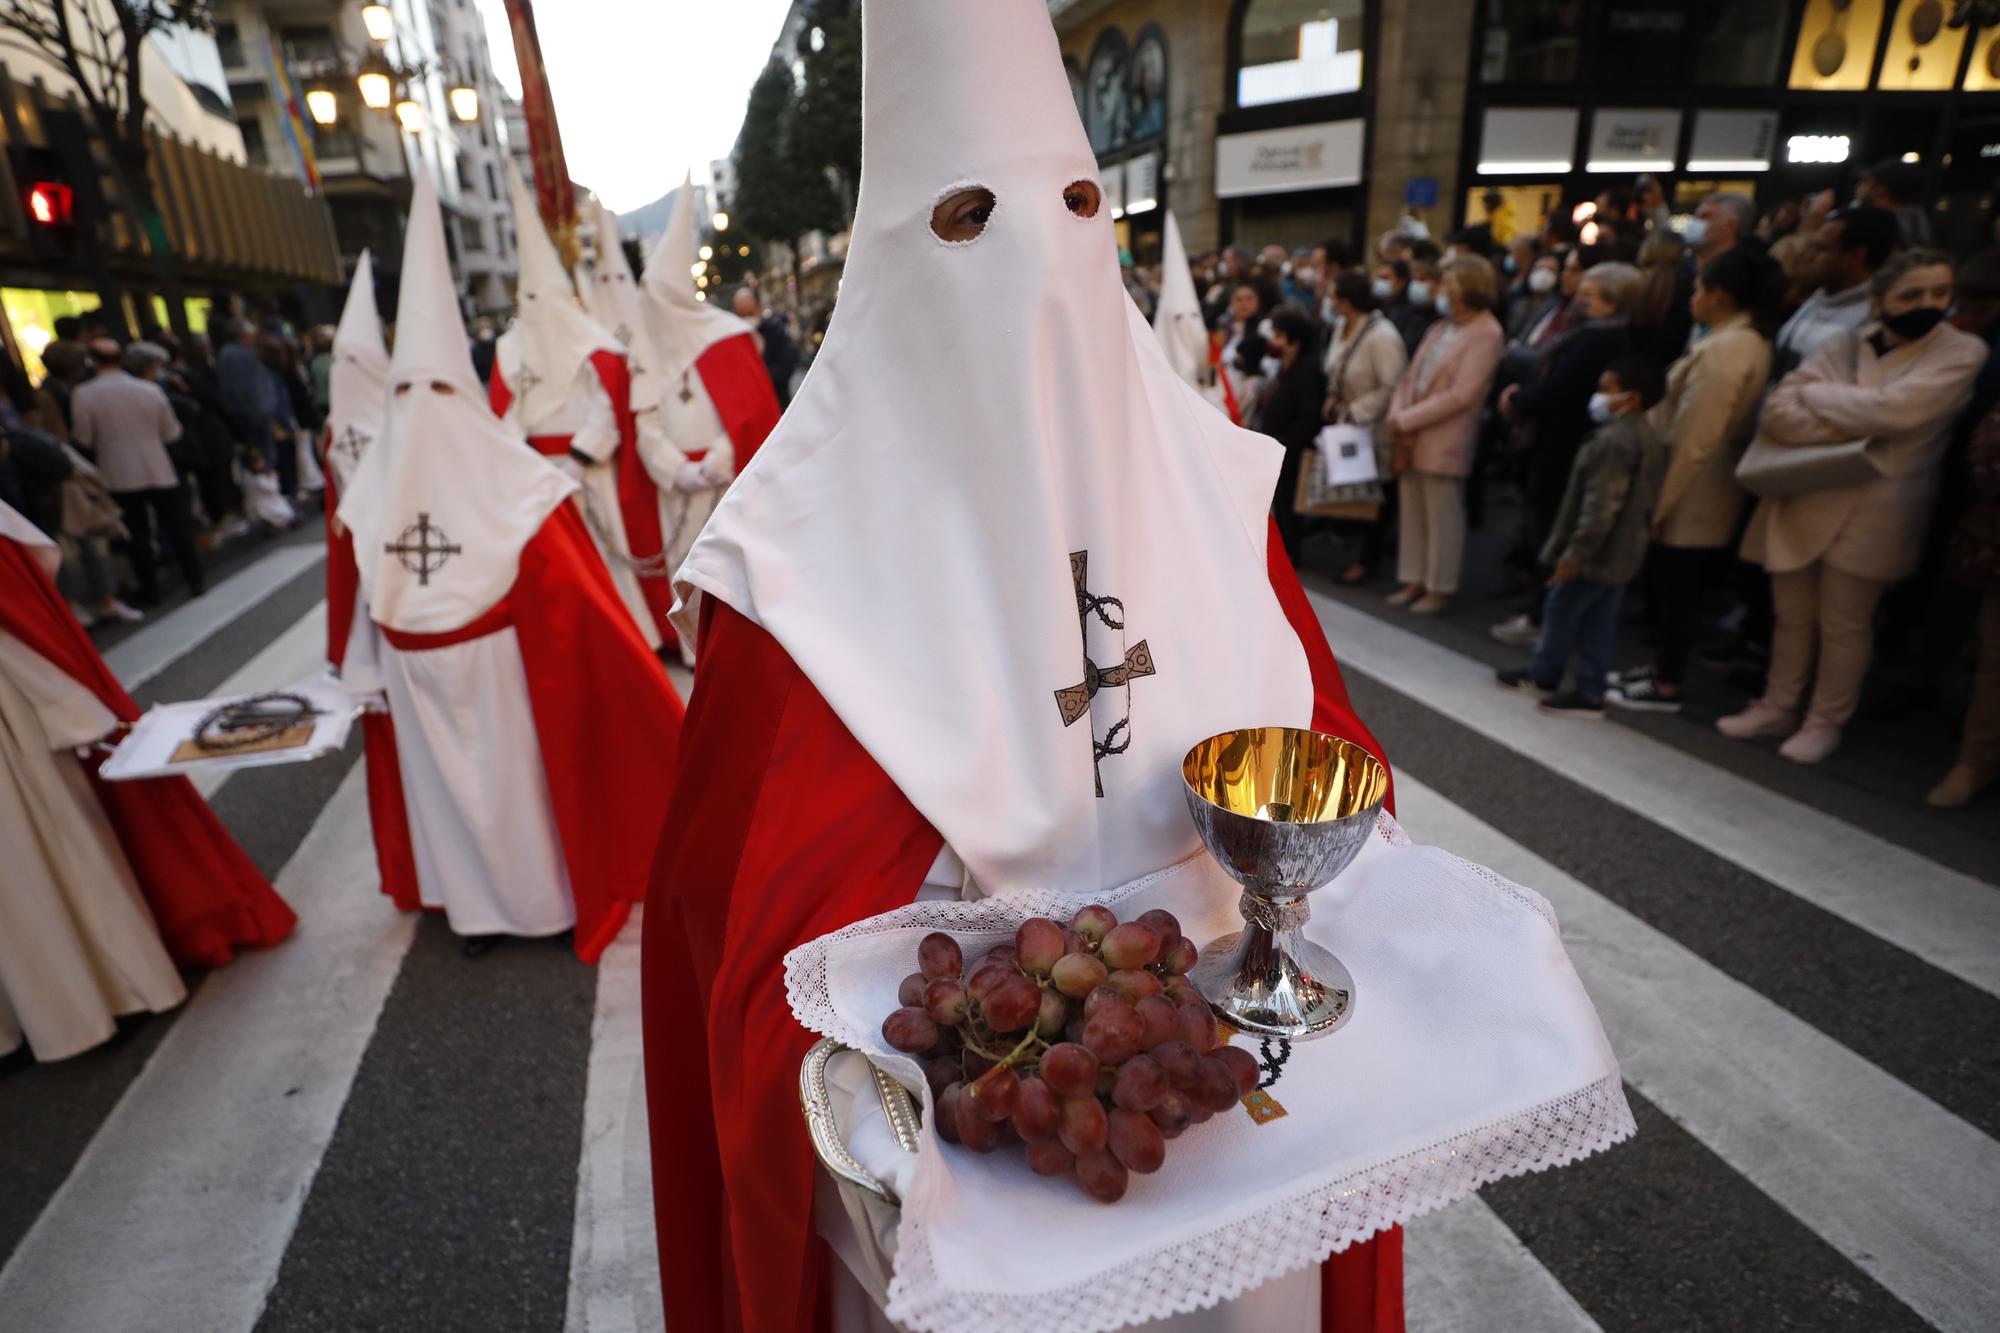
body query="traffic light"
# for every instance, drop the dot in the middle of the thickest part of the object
(48, 204)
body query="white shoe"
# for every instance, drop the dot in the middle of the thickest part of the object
(83, 617)
(1759, 719)
(1517, 630)
(117, 610)
(1811, 743)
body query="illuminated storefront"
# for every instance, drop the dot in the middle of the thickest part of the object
(1776, 98)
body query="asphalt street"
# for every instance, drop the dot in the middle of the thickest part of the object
(363, 1129)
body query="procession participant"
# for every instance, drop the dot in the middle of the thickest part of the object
(358, 394)
(531, 720)
(563, 379)
(960, 629)
(108, 885)
(1178, 322)
(716, 399)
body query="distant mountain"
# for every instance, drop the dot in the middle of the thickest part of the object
(651, 220)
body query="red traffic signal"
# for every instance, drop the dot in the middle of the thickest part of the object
(51, 203)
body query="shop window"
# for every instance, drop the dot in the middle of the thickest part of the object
(1531, 41)
(1125, 90)
(1512, 210)
(1641, 42)
(32, 313)
(1836, 47)
(1923, 53)
(1294, 49)
(1738, 42)
(1983, 74)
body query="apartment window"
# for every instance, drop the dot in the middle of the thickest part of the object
(312, 45)
(464, 174)
(472, 234)
(253, 141)
(229, 45)
(1295, 49)
(492, 183)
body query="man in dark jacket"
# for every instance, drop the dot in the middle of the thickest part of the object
(249, 391)
(781, 353)
(1292, 412)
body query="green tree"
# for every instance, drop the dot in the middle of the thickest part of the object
(829, 100)
(98, 44)
(782, 192)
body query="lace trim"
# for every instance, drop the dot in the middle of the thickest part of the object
(1324, 1217)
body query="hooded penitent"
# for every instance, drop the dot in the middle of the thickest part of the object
(615, 301)
(995, 571)
(548, 347)
(1022, 560)
(359, 385)
(680, 325)
(1182, 331)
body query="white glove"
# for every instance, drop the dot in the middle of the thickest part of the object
(717, 470)
(691, 478)
(570, 466)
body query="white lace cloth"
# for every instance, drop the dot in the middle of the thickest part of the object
(1473, 1054)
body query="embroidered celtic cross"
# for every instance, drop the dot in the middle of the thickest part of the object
(1074, 702)
(349, 444)
(417, 552)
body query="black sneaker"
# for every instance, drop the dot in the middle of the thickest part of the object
(1517, 678)
(1571, 704)
(1642, 696)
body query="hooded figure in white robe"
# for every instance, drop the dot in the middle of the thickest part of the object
(1178, 320)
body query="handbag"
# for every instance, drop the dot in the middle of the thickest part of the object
(1338, 478)
(1773, 471)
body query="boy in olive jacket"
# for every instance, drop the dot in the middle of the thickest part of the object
(1599, 540)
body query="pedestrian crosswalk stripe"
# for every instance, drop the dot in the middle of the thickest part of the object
(1898, 1185)
(1465, 1272)
(157, 646)
(1948, 919)
(179, 1213)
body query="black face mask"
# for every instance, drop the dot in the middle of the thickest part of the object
(1913, 324)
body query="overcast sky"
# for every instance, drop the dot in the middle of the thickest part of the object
(644, 90)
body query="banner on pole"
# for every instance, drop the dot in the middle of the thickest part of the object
(553, 195)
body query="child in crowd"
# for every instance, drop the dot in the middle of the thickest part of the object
(262, 499)
(1599, 540)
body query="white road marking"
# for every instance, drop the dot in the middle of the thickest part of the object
(1900, 1186)
(285, 660)
(1465, 1272)
(1948, 919)
(178, 1214)
(159, 645)
(609, 1256)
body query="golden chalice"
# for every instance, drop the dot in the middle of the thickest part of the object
(1283, 810)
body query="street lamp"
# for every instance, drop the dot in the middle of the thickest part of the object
(706, 252)
(465, 102)
(721, 221)
(410, 113)
(377, 83)
(322, 104)
(381, 24)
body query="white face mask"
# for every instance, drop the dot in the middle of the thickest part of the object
(1419, 293)
(1541, 281)
(1600, 408)
(1443, 304)
(1383, 288)
(1696, 234)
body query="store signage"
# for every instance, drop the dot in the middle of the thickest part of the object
(1421, 192)
(1528, 141)
(1633, 140)
(1819, 148)
(1733, 141)
(1299, 157)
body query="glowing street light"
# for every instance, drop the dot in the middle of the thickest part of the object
(377, 88)
(411, 114)
(465, 103)
(721, 221)
(381, 24)
(707, 252)
(322, 105)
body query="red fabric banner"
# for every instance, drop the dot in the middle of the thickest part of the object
(553, 195)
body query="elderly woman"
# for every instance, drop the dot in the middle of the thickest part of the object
(1898, 382)
(1364, 359)
(1554, 408)
(1433, 423)
(1708, 415)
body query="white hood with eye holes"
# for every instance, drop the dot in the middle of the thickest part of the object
(991, 472)
(547, 351)
(442, 504)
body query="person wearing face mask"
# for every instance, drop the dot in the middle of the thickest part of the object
(1599, 540)
(1363, 362)
(1523, 300)
(1898, 381)
(1721, 222)
(1566, 265)
(1413, 306)
(1291, 411)
(1555, 407)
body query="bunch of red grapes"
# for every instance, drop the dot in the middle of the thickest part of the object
(1085, 1042)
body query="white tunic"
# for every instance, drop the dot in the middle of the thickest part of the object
(691, 425)
(78, 946)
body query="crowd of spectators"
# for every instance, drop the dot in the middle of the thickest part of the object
(133, 454)
(1591, 385)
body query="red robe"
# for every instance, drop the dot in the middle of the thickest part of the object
(792, 831)
(740, 387)
(207, 898)
(387, 817)
(607, 719)
(638, 496)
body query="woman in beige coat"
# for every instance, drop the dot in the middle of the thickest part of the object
(1898, 381)
(1708, 417)
(1433, 424)
(1363, 362)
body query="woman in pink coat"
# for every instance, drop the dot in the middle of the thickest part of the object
(1433, 422)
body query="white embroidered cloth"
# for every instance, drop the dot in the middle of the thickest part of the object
(1472, 1054)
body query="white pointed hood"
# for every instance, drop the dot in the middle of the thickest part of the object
(1183, 332)
(680, 325)
(358, 387)
(552, 338)
(443, 502)
(618, 305)
(991, 473)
